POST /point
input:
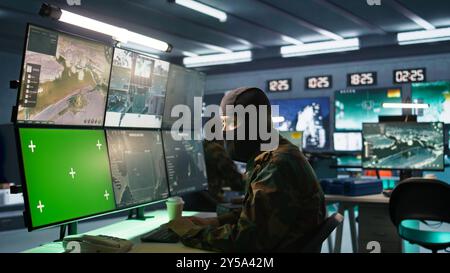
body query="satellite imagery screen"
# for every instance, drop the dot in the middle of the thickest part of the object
(354, 107)
(137, 90)
(437, 95)
(137, 166)
(308, 115)
(64, 80)
(416, 146)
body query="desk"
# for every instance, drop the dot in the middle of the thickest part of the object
(374, 223)
(133, 230)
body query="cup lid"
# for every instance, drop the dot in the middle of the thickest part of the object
(175, 199)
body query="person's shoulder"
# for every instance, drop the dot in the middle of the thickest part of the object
(285, 153)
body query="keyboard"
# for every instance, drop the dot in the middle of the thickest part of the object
(161, 235)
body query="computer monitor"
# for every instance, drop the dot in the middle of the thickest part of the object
(137, 166)
(185, 162)
(137, 90)
(295, 138)
(347, 141)
(349, 160)
(67, 175)
(403, 146)
(437, 95)
(183, 85)
(355, 107)
(308, 115)
(64, 79)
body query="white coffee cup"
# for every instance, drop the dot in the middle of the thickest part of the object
(174, 207)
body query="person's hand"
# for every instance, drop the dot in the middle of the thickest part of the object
(204, 221)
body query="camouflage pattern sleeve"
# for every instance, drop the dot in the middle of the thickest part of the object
(283, 203)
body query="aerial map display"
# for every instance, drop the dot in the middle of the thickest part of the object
(64, 80)
(137, 166)
(308, 115)
(437, 95)
(137, 90)
(418, 146)
(353, 107)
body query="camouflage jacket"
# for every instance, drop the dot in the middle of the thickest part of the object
(222, 172)
(283, 203)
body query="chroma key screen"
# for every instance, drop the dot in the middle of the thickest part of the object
(67, 174)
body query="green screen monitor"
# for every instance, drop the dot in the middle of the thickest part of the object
(355, 107)
(185, 160)
(138, 167)
(403, 146)
(182, 87)
(67, 175)
(295, 138)
(437, 96)
(137, 91)
(64, 79)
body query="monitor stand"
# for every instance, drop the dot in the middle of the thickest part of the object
(405, 174)
(72, 229)
(138, 214)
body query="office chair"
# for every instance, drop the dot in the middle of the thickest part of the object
(316, 239)
(421, 199)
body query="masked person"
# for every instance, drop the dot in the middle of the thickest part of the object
(283, 203)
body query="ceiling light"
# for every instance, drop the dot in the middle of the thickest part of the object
(117, 33)
(423, 36)
(406, 105)
(291, 40)
(320, 48)
(202, 8)
(217, 59)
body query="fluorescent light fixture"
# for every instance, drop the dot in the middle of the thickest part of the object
(117, 33)
(320, 48)
(423, 36)
(406, 105)
(189, 54)
(194, 5)
(217, 59)
(291, 40)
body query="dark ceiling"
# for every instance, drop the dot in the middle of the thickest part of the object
(258, 25)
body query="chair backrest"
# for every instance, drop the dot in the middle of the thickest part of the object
(420, 199)
(315, 242)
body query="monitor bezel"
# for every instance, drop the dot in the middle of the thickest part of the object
(402, 169)
(27, 205)
(15, 119)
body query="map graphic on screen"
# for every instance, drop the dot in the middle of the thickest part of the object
(65, 79)
(437, 95)
(185, 160)
(354, 107)
(137, 90)
(308, 115)
(418, 146)
(183, 85)
(67, 174)
(138, 167)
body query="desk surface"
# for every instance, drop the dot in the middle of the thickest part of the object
(375, 199)
(133, 230)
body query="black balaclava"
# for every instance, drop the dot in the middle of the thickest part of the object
(244, 150)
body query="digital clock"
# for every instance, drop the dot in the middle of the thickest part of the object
(279, 85)
(319, 82)
(362, 79)
(410, 75)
